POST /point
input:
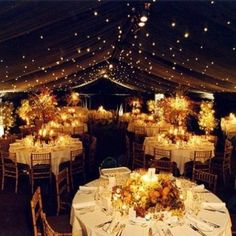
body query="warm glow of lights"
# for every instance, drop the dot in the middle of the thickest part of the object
(101, 109)
(141, 24)
(180, 103)
(143, 18)
(1, 126)
(206, 117)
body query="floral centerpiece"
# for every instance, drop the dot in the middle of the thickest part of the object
(206, 117)
(176, 109)
(145, 191)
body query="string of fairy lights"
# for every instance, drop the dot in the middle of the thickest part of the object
(142, 59)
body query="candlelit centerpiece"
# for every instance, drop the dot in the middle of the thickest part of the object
(178, 134)
(146, 191)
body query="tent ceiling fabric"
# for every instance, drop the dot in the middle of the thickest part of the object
(66, 45)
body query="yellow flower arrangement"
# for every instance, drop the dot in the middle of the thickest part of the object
(160, 194)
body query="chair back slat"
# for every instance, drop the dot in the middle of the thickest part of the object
(207, 178)
(36, 210)
(202, 160)
(77, 164)
(62, 187)
(40, 167)
(160, 153)
(162, 165)
(138, 156)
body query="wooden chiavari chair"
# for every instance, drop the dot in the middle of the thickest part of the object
(139, 159)
(77, 164)
(222, 164)
(206, 178)
(40, 167)
(62, 190)
(162, 165)
(161, 153)
(202, 160)
(9, 168)
(36, 210)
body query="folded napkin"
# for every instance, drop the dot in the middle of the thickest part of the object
(198, 187)
(80, 205)
(86, 188)
(199, 224)
(213, 205)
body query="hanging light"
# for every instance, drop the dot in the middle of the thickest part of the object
(1, 120)
(141, 24)
(144, 16)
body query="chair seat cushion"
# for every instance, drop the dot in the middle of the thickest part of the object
(60, 224)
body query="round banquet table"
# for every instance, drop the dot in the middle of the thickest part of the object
(149, 129)
(180, 155)
(228, 126)
(84, 222)
(59, 154)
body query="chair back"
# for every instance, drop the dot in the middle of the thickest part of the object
(78, 129)
(202, 160)
(161, 153)
(227, 154)
(77, 161)
(206, 178)
(41, 166)
(139, 130)
(62, 188)
(162, 165)
(9, 164)
(128, 149)
(92, 151)
(36, 210)
(138, 155)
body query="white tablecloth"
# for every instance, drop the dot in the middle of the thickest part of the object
(84, 223)
(149, 129)
(228, 126)
(70, 129)
(59, 154)
(180, 155)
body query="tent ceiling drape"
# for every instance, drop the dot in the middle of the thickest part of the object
(69, 44)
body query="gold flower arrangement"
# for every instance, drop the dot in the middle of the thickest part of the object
(206, 117)
(148, 193)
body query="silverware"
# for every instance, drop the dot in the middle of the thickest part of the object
(102, 224)
(208, 209)
(108, 228)
(211, 224)
(197, 230)
(115, 228)
(150, 232)
(121, 229)
(169, 233)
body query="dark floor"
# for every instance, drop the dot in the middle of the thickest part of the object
(15, 214)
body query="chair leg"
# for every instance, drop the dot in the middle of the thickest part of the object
(72, 181)
(32, 185)
(3, 180)
(223, 172)
(16, 187)
(84, 177)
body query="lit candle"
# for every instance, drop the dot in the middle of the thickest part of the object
(51, 132)
(44, 133)
(175, 131)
